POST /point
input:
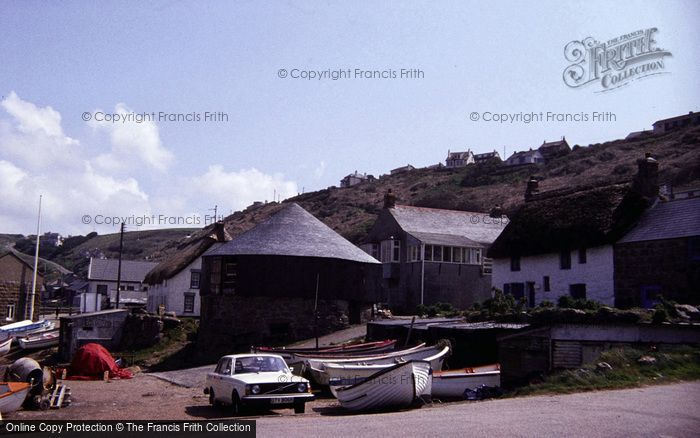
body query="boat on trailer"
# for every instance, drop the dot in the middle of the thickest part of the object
(396, 387)
(453, 383)
(12, 396)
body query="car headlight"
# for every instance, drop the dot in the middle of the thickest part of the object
(255, 389)
(301, 387)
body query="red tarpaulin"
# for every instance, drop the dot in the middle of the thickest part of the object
(90, 363)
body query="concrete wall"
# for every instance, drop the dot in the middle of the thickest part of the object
(661, 267)
(104, 328)
(597, 273)
(171, 292)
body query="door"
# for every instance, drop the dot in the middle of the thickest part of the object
(530, 287)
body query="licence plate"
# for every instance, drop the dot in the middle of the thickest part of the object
(280, 400)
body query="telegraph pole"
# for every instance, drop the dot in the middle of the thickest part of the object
(36, 264)
(119, 266)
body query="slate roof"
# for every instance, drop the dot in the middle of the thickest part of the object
(448, 227)
(667, 220)
(293, 231)
(106, 270)
(570, 219)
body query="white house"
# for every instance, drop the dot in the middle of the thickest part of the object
(525, 157)
(459, 159)
(174, 283)
(561, 242)
(102, 283)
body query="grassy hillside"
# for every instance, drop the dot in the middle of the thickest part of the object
(351, 211)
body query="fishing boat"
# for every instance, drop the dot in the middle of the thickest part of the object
(5, 346)
(317, 366)
(38, 340)
(26, 327)
(398, 387)
(453, 383)
(12, 395)
(340, 375)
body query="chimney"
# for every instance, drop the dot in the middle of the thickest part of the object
(496, 212)
(389, 199)
(646, 181)
(532, 189)
(219, 232)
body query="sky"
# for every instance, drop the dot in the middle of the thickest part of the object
(257, 115)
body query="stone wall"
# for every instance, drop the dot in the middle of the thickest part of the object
(13, 293)
(664, 266)
(234, 323)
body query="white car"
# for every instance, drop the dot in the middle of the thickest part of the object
(256, 380)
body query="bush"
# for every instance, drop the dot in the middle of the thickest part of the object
(660, 314)
(546, 304)
(569, 302)
(500, 303)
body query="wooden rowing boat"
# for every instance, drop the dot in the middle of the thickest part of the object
(5, 346)
(26, 327)
(453, 383)
(38, 340)
(12, 395)
(395, 387)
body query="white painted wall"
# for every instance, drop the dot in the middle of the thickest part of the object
(171, 292)
(597, 273)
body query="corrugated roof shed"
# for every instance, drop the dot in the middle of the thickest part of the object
(667, 220)
(449, 227)
(293, 232)
(106, 269)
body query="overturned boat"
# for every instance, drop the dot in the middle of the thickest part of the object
(23, 328)
(12, 396)
(396, 387)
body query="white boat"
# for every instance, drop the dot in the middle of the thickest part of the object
(317, 367)
(340, 375)
(5, 346)
(453, 383)
(38, 340)
(23, 328)
(12, 395)
(394, 387)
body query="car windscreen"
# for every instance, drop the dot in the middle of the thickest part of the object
(255, 364)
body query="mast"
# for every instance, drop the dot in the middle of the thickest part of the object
(119, 266)
(36, 264)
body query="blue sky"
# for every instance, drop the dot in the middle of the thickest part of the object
(286, 135)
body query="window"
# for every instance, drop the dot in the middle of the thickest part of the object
(194, 279)
(215, 275)
(578, 290)
(428, 253)
(515, 263)
(515, 289)
(582, 256)
(10, 312)
(130, 288)
(437, 254)
(565, 259)
(102, 289)
(458, 255)
(189, 303)
(474, 256)
(414, 253)
(694, 249)
(391, 251)
(545, 283)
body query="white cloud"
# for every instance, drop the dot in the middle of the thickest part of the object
(320, 170)
(132, 143)
(236, 190)
(36, 157)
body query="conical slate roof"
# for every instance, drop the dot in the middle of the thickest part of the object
(293, 232)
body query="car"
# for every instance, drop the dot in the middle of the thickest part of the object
(256, 381)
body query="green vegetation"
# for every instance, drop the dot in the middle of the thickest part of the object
(437, 309)
(169, 350)
(621, 368)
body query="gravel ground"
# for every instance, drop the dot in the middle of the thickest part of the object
(664, 410)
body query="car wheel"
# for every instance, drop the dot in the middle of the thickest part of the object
(212, 399)
(299, 408)
(235, 403)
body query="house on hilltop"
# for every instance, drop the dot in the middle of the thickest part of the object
(430, 255)
(561, 242)
(666, 125)
(356, 178)
(174, 284)
(524, 158)
(486, 157)
(554, 149)
(263, 285)
(403, 169)
(459, 159)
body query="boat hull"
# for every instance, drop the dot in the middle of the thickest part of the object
(393, 388)
(12, 395)
(5, 346)
(453, 383)
(39, 340)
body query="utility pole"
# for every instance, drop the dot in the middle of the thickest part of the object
(119, 266)
(216, 219)
(316, 311)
